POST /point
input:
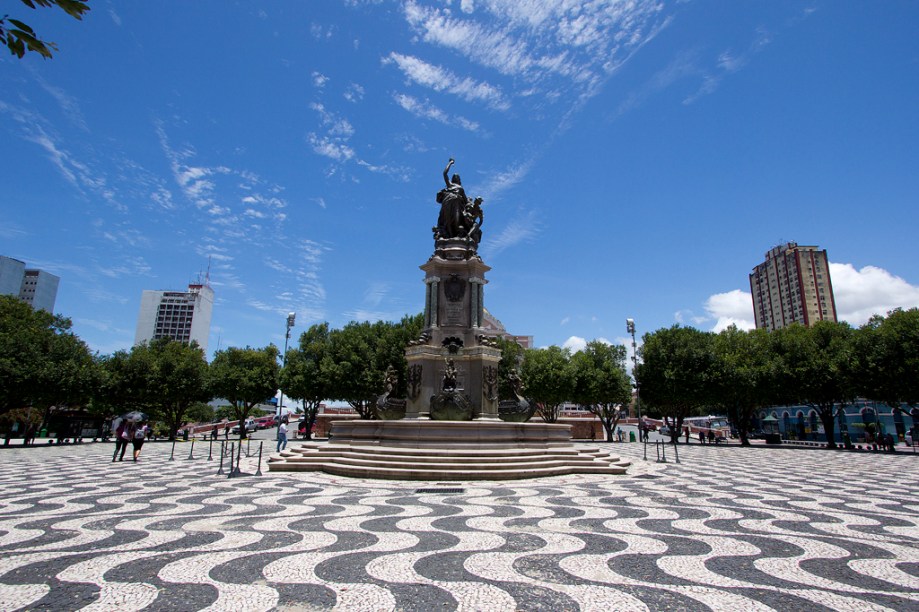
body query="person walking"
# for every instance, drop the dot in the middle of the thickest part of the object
(140, 434)
(282, 436)
(686, 431)
(122, 437)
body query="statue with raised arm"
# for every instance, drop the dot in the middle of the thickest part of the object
(452, 200)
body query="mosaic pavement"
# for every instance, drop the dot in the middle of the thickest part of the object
(727, 529)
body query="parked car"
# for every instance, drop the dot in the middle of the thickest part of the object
(250, 427)
(266, 422)
(664, 430)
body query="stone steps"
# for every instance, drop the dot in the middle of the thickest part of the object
(404, 463)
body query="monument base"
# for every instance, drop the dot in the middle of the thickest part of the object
(413, 449)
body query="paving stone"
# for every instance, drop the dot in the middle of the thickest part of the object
(727, 528)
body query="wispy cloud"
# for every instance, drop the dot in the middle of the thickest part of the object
(728, 62)
(441, 79)
(523, 229)
(581, 41)
(425, 110)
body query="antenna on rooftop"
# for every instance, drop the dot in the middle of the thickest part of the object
(207, 275)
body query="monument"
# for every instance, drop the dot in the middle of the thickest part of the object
(451, 425)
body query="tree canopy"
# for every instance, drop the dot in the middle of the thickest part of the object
(549, 380)
(306, 375)
(19, 37)
(675, 373)
(42, 363)
(816, 367)
(601, 383)
(245, 377)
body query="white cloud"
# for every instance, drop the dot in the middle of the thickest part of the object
(520, 230)
(574, 344)
(440, 79)
(325, 146)
(860, 294)
(533, 40)
(354, 93)
(319, 79)
(731, 308)
(565, 321)
(425, 110)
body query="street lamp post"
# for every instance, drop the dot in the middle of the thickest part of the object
(630, 328)
(291, 316)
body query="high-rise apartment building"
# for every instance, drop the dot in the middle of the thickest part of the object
(36, 288)
(180, 315)
(792, 286)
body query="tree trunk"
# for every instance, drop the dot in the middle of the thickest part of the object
(828, 417)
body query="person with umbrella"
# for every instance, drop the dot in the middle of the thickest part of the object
(122, 435)
(140, 434)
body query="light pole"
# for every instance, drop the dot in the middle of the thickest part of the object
(291, 316)
(630, 328)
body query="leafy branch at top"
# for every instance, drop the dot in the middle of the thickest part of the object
(21, 37)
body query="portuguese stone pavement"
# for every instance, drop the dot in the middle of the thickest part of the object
(726, 529)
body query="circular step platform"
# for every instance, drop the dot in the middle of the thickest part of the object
(447, 450)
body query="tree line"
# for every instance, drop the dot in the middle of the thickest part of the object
(684, 371)
(44, 366)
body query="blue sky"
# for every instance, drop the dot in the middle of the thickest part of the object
(636, 159)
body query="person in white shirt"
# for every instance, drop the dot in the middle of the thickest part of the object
(282, 435)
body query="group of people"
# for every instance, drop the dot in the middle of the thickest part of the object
(129, 432)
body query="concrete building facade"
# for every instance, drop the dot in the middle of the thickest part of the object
(36, 288)
(792, 286)
(180, 315)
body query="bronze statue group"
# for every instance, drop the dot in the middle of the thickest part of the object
(459, 216)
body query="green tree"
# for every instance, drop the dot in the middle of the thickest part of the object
(304, 376)
(19, 37)
(245, 377)
(601, 382)
(676, 369)
(176, 378)
(743, 377)
(549, 380)
(817, 367)
(887, 350)
(42, 363)
(359, 354)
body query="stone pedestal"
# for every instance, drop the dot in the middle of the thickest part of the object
(453, 316)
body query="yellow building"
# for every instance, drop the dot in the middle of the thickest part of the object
(792, 286)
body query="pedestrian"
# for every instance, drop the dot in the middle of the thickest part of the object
(122, 437)
(711, 436)
(701, 437)
(282, 435)
(140, 434)
(686, 431)
(214, 432)
(226, 430)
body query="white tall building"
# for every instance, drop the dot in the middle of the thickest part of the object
(36, 288)
(180, 315)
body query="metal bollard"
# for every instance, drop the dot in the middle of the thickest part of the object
(646, 449)
(191, 452)
(676, 452)
(248, 446)
(258, 472)
(173, 451)
(220, 471)
(210, 450)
